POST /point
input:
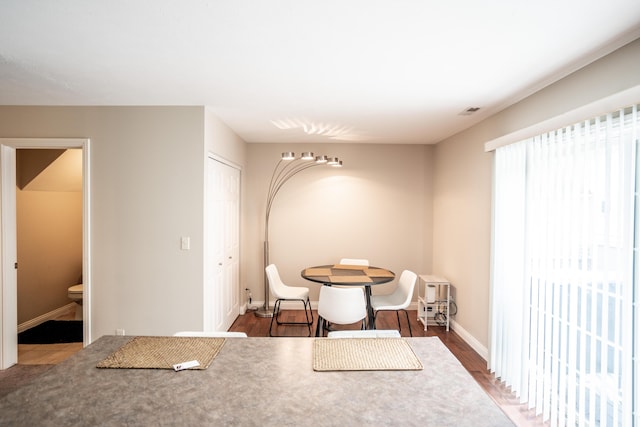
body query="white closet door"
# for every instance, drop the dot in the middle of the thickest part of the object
(223, 238)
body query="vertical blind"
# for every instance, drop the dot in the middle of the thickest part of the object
(563, 285)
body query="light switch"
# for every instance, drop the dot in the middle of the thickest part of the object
(185, 243)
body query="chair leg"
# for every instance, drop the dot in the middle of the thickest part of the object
(304, 302)
(309, 322)
(408, 322)
(308, 304)
(398, 317)
(276, 316)
(319, 326)
(276, 311)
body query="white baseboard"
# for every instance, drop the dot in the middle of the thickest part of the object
(47, 316)
(469, 339)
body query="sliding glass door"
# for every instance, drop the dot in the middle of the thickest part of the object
(563, 285)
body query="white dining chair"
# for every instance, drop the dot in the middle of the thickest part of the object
(340, 306)
(213, 334)
(398, 300)
(354, 261)
(368, 333)
(283, 292)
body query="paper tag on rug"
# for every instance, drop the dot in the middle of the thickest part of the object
(186, 365)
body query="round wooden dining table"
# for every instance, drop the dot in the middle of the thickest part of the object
(351, 275)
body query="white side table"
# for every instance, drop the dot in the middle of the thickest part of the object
(434, 297)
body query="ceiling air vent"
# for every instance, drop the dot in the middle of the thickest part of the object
(469, 111)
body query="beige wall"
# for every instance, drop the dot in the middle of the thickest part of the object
(378, 206)
(49, 249)
(147, 185)
(220, 140)
(462, 193)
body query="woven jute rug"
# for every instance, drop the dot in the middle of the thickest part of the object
(164, 352)
(364, 354)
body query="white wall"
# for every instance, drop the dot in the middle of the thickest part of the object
(378, 206)
(462, 193)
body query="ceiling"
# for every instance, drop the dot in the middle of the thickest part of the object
(376, 71)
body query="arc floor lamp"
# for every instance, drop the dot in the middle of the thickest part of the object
(288, 166)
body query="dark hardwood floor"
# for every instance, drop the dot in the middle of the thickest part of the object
(255, 326)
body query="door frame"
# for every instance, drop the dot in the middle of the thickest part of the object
(8, 254)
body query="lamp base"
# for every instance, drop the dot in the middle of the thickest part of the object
(263, 313)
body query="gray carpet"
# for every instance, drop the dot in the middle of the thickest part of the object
(253, 381)
(19, 375)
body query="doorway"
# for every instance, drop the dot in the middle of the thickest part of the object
(8, 239)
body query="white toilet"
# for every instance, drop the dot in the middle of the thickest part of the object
(75, 294)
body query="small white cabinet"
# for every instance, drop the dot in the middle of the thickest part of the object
(434, 298)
